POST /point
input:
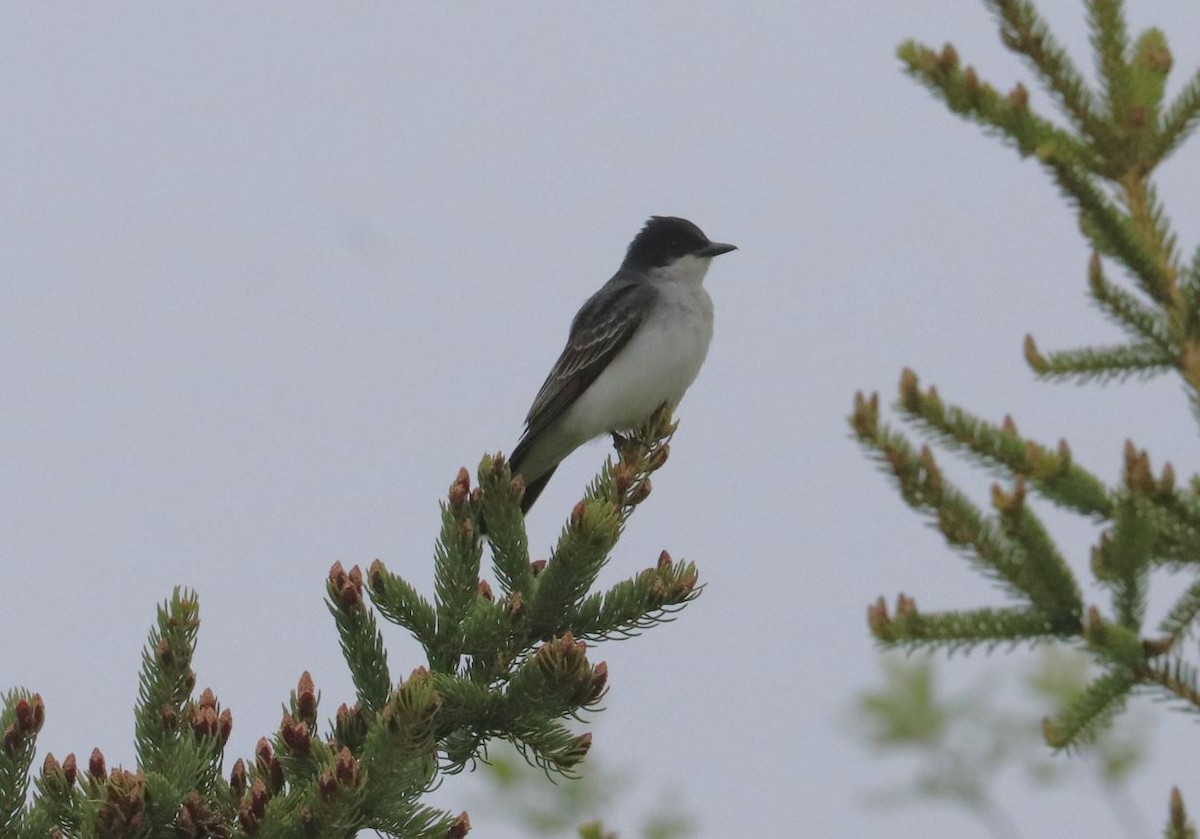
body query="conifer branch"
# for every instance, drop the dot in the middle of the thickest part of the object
(61, 797)
(1116, 645)
(596, 523)
(179, 739)
(1054, 474)
(1007, 116)
(1178, 679)
(1103, 167)
(1110, 230)
(467, 704)
(1148, 78)
(1023, 31)
(403, 819)
(1122, 560)
(923, 488)
(166, 680)
(1041, 577)
(1045, 575)
(630, 606)
(1177, 542)
(405, 741)
(1172, 516)
(1180, 622)
(1178, 121)
(1188, 319)
(1110, 43)
(362, 643)
(488, 629)
(400, 603)
(1130, 313)
(1149, 223)
(1090, 711)
(963, 630)
(556, 681)
(501, 508)
(302, 755)
(494, 673)
(551, 746)
(457, 558)
(414, 821)
(581, 553)
(1099, 364)
(20, 721)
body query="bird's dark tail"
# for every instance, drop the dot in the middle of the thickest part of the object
(534, 489)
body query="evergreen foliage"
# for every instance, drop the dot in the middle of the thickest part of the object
(514, 666)
(1117, 133)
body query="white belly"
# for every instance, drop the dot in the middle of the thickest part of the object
(658, 365)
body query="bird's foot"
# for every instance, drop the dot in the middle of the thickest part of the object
(623, 444)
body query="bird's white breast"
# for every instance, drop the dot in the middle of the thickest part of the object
(658, 364)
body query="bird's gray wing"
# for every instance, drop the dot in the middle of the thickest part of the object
(603, 326)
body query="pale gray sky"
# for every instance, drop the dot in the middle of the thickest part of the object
(272, 272)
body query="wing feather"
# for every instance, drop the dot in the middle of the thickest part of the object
(603, 326)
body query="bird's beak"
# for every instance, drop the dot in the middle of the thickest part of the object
(715, 249)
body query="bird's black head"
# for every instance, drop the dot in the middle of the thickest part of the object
(665, 239)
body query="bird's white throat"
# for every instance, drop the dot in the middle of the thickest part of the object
(689, 270)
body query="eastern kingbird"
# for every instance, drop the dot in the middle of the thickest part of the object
(636, 344)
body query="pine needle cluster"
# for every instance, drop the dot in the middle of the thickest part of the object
(1102, 152)
(512, 663)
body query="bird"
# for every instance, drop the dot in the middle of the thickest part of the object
(637, 344)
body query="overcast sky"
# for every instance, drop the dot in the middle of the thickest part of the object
(272, 272)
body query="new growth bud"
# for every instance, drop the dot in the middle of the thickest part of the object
(377, 576)
(640, 493)
(345, 589)
(658, 457)
(948, 60)
(296, 736)
(497, 464)
(347, 770)
(305, 699)
(515, 606)
(238, 778)
(865, 418)
(1019, 98)
(910, 390)
(1138, 477)
(96, 766)
(1033, 357)
(460, 490)
(599, 683)
(1166, 484)
(577, 752)
(350, 728)
(268, 765)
